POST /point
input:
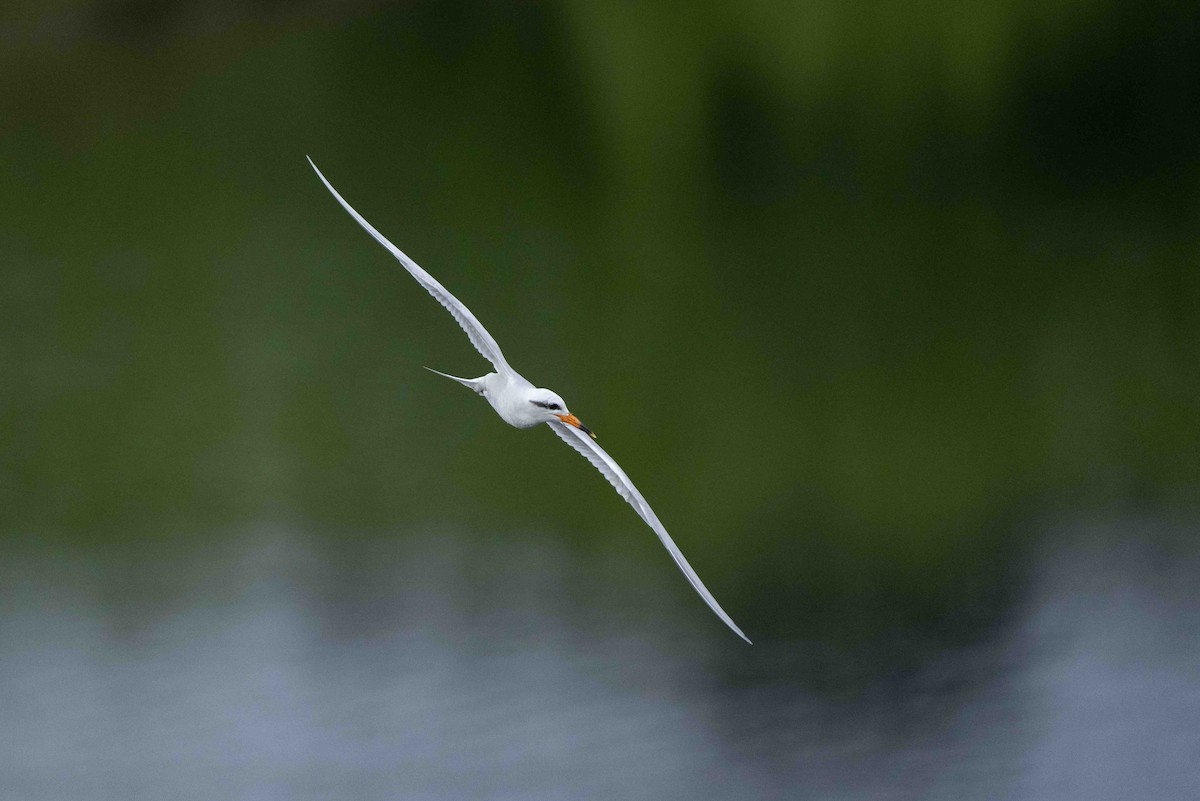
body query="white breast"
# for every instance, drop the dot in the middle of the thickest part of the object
(509, 396)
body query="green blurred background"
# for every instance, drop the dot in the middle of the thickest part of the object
(856, 292)
(844, 286)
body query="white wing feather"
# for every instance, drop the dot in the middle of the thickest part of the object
(479, 336)
(624, 487)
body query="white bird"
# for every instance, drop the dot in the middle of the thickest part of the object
(519, 403)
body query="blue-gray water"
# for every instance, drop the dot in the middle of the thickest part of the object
(275, 665)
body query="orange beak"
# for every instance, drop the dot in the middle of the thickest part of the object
(572, 420)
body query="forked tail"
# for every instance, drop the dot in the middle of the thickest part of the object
(473, 384)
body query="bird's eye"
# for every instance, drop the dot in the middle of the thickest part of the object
(553, 406)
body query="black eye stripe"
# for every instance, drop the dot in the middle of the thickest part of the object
(550, 406)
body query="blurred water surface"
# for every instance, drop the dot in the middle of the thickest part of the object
(276, 665)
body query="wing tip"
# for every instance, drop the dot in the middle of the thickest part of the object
(728, 621)
(317, 170)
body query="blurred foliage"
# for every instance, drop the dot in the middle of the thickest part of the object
(847, 287)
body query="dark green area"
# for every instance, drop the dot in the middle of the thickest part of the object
(851, 292)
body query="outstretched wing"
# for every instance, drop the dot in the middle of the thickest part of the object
(624, 487)
(479, 336)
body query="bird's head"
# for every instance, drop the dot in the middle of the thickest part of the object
(549, 406)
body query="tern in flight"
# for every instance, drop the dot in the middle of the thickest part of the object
(521, 404)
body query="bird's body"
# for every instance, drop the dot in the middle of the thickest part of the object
(515, 400)
(519, 403)
(510, 395)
